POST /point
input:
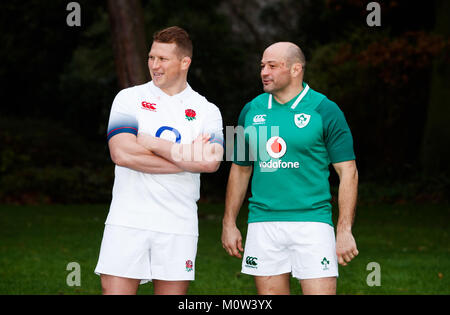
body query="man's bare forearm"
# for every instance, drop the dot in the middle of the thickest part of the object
(347, 198)
(236, 190)
(197, 157)
(346, 248)
(126, 152)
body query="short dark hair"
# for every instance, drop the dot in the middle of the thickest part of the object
(178, 36)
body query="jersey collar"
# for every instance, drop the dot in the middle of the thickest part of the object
(297, 101)
(183, 94)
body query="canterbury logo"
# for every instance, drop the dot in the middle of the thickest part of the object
(259, 119)
(251, 261)
(149, 106)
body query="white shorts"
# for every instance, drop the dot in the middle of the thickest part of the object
(141, 254)
(305, 249)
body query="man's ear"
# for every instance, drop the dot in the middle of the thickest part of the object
(186, 62)
(296, 69)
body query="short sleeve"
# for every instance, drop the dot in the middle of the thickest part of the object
(241, 150)
(122, 118)
(213, 126)
(337, 135)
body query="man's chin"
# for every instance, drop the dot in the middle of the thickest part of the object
(158, 83)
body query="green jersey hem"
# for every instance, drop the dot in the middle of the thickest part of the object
(316, 215)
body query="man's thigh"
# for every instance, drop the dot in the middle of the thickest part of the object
(273, 285)
(280, 285)
(113, 285)
(320, 286)
(162, 287)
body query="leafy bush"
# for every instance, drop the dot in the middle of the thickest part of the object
(44, 162)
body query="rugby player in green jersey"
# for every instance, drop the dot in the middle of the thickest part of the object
(291, 135)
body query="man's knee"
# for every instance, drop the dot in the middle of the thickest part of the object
(112, 285)
(319, 286)
(273, 285)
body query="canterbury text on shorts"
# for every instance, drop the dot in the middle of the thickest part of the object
(147, 255)
(305, 249)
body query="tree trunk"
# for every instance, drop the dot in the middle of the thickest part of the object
(436, 148)
(129, 43)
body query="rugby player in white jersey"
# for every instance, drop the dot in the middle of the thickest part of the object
(161, 136)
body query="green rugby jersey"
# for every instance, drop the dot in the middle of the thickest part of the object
(290, 147)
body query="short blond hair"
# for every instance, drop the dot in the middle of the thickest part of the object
(178, 36)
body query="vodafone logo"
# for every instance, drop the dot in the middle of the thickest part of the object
(276, 147)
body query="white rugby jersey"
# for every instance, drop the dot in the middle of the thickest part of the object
(160, 202)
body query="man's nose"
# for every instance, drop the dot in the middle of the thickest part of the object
(154, 64)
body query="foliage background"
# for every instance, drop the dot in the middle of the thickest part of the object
(58, 83)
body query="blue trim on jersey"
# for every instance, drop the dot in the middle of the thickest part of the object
(218, 140)
(166, 128)
(116, 131)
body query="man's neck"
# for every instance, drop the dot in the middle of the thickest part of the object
(288, 94)
(175, 89)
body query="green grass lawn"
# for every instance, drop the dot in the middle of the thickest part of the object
(411, 244)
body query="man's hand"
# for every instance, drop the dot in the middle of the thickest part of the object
(348, 191)
(232, 240)
(200, 156)
(202, 138)
(149, 142)
(345, 247)
(236, 189)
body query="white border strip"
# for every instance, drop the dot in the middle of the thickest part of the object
(300, 97)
